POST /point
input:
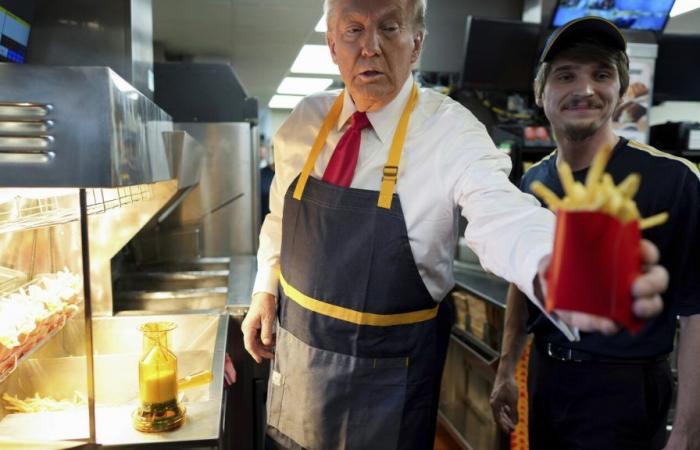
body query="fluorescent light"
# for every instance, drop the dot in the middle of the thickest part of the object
(303, 86)
(683, 6)
(284, 101)
(321, 26)
(315, 59)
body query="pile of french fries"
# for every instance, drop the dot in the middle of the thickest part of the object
(41, 404)
(599, 194)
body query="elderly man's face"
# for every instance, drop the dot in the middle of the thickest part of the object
(374, 43)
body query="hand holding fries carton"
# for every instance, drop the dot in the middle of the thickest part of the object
(596, 255)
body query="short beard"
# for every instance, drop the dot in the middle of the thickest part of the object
(580, 133)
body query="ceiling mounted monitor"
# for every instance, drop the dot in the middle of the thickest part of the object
(15, 19)
(645, 15)
(500, 55)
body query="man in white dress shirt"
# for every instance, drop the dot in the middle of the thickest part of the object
(353, 268)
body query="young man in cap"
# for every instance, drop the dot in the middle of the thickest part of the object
(608, 391)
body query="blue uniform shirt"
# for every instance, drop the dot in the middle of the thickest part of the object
(668, 184)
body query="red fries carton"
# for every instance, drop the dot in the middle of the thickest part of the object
(596, 259)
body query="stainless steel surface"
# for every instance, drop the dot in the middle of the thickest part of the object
(87, 316)
(185, 160)
(34, 444)
(112, 33)
(243, 270)
(204, 299)
(11, 158)
(25, 127)
(219, 284)
(24, 110)
(39, 143)
(184, 155)
(168, 244)
(141, 45)
(215, 263)
(255, 205)
(199, 342)
(154, 281)
(34, 250)
(110, 231)
(105, 132)
(225, 228)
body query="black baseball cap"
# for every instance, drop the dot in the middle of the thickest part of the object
(591, 27)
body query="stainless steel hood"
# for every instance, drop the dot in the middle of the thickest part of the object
(78, 127)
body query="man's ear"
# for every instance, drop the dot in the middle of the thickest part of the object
(620, 101)
(538, 101)
(330, 41)
(418, 39)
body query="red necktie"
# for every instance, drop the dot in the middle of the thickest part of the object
(341, 167)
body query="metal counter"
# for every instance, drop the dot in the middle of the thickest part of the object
(240, 288)
(206, 284)
(199, 343)
(220, 284)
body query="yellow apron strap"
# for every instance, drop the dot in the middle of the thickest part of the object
(353, 316)
(391, 168)
(320, 141)
(519, 438)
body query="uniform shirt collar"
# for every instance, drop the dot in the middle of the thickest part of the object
(383, 121)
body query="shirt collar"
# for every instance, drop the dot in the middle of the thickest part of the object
(383, 121)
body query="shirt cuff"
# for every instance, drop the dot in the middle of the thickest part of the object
(529, 272)
(267, 280)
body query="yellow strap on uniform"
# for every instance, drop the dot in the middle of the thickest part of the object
(353, 316)
(391, 169)
(320, 141)
(519, 438)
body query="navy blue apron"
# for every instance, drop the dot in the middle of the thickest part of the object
(358, 358)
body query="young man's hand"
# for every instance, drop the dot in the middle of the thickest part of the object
(504, 401)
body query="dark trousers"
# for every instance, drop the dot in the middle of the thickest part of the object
(597, 406)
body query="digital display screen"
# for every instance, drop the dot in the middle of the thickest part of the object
(15, 17)
(648, 15)
(504, 63)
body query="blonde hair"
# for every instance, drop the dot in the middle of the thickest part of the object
(419, 7)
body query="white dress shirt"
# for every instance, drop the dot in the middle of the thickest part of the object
(449, 161)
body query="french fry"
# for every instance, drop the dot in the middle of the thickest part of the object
(599, 193)
(652, 221)
(596, 199)
(629, 186)
(566, 177)
(600, 160)
(580, 196)
(628, 211)
(549, 197)
(613, 204)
